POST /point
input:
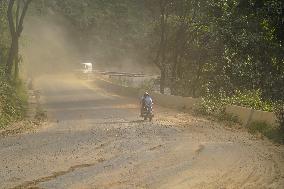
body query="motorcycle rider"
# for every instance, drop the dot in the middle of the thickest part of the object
(146, 100)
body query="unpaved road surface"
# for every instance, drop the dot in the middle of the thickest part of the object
(96, 140)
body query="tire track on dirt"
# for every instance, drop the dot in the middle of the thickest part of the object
(34, 183)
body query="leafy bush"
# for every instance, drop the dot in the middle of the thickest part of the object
(215, 107)
(212, 104)
(250, 99)
(13, 100)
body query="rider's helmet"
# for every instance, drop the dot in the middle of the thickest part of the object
(146, 94)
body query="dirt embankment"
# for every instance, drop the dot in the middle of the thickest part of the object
(35, 117)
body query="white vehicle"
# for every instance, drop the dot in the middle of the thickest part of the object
(85, 70)
(87, 67)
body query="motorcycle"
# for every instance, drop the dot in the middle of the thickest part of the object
(147, 113)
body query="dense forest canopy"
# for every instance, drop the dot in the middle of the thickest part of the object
(201, 47)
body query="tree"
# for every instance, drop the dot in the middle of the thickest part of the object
(160, 11)
(16, 20)
(4, 34)
(108, 31)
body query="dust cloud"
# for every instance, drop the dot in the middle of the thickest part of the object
(47, 46)
(51, 45)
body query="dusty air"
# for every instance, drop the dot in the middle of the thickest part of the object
(141, 94)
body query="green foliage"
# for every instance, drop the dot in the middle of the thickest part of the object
(4, 32)
(215, 103)
(13, 100)
(211, 106)
(227, 45)
(250, 99)
(215, 107)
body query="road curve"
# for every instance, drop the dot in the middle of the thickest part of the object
(95, 139)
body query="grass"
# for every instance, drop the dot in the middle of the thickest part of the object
(273, 133)
(215, 110)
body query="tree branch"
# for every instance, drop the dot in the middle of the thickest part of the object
(17, 13)
(25, 8)
(10, 17)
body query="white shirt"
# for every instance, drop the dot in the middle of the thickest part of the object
(148, 101)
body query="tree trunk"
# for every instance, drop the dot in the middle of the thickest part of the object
(11, 57)
(1, 56)
(162, 81)
(196, 84)
(174, 75)
(163, 43)
(15, 31)
(16, 61)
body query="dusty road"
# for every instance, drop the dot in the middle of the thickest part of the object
(95, 140)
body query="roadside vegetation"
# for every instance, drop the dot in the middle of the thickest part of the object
(214, 106)
(13, 100)
(13, 93)
(264, 129)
